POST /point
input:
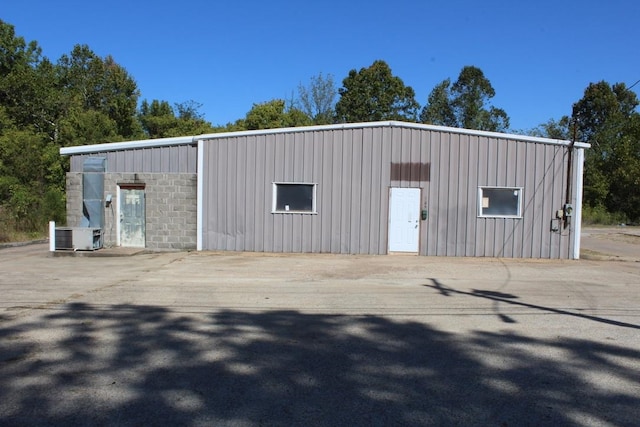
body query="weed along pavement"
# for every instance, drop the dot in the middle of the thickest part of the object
(237, 339)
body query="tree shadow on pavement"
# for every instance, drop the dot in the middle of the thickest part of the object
(145, 365)
(510, 299)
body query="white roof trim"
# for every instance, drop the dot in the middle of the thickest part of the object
(188, 140)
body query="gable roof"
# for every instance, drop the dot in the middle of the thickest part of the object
(189, 140)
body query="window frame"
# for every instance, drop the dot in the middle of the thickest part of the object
(274, 198)
(517, 215)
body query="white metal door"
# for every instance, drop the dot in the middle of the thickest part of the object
(404, 220)
(132, 217)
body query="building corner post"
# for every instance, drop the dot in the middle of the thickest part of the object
(577, 203)
(52, 236)
(199, 192)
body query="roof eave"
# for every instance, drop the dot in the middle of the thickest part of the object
(188, 140)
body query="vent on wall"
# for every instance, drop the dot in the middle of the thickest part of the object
(93, 192)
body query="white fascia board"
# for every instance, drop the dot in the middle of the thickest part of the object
(127, 145)
(524, 138)
(184, 140)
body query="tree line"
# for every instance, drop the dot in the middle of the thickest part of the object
(83, 98)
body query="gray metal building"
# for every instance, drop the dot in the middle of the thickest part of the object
(365, 188)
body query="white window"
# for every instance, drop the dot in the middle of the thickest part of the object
(500, 202)
(293, 197)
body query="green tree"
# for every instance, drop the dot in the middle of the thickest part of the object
(374, 94)
(465, 103)
(607, 118)
(159, 120)
(30, 177)
(273, 114)
(554, 129)
(317, 100)
(439, 109)
(89, 82)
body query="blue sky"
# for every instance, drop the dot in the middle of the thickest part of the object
(228, 55)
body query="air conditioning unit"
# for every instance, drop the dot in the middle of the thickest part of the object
(78, 238)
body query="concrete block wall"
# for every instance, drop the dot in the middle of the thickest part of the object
(170, 207)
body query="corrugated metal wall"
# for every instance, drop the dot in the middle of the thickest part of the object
(168, 159)
(354, 169)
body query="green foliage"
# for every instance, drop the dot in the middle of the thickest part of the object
(273, 114)
(553, 129)
(606, 117)
(92, 83)
(317, 100)
(599, 215)
(465, 103)
(374, 94)
(82, 99)
(158, 119)
(439, 109)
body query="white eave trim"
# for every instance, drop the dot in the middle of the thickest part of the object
(192, 140)
(127, 145)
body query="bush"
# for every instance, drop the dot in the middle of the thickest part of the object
(598, 215)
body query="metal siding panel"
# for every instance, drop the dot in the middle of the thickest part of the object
(546, 236)
(355, 182)
(528, 206)
(385, 184)
(483, 178)
(164, 155)
(501, 165)
(509, 179)
(336, 194)
(326, 192)
(211, 214)
(223, 183)
(139, 157)
(453, 183)
(298, 236)
(423, 143)
(261, 195)
(316, 144)
(128, 161)
(414, 137)
(519, 173)
(240, 206)
(443, 196)
(366, 192)
(270, 176)
(538, 201)
(471, 194)
(345, 191)
(305, 140)
(279, 176)
(462, 183)
(492, 179)
(192, 160)
(434, 193)
(231, 191)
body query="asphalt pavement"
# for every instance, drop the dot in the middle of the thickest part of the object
(242, 339)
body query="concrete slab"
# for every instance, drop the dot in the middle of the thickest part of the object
(263, 339)
(611, 243)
